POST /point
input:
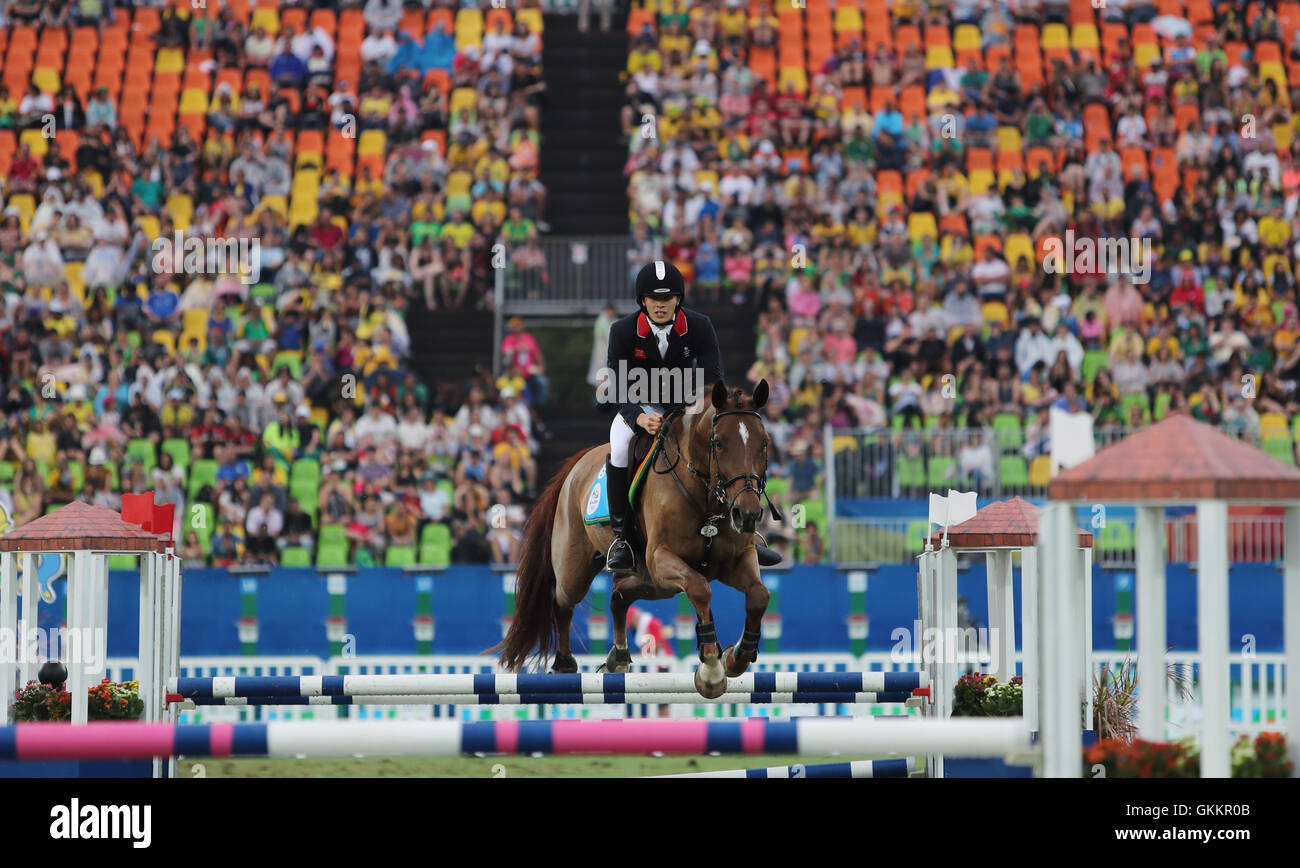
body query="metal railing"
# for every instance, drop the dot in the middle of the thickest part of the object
(1251, 539)
(911, 462)
(570, 275)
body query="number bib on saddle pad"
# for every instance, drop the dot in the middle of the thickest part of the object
(596, 510)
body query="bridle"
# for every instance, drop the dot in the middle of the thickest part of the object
(714, 483)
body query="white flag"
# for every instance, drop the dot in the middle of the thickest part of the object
(961, 506)
(1071, 436)
(938, 509)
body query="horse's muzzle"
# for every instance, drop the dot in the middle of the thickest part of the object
(745, 520)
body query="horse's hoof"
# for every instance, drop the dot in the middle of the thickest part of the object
(618, 660)
(565, 663)
(710, 679)
(734, 667)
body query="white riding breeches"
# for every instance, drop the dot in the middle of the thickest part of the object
(620, 440)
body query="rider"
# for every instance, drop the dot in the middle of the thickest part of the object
(661, 334)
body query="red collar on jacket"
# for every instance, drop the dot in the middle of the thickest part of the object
(643, 324)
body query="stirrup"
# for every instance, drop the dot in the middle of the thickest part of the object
(609, 555)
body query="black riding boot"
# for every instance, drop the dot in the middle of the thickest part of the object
(620, 557)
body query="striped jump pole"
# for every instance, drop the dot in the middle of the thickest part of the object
(916, 697)
(613, 687)
(891, 768)
(805, 736)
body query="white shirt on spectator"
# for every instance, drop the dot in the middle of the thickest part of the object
(378, 47)
(1032, 348)
(272, 518)
(381, 426)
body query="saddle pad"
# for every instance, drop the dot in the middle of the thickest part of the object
(597, 509)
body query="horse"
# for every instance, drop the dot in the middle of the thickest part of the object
(700, 508)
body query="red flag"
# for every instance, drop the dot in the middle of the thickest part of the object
(163, 515)
(138, 509)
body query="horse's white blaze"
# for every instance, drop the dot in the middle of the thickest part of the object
(744, 434)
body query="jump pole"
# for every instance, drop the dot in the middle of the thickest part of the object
(915, 699)
(611, 686)
(890, 768)
(807, 736)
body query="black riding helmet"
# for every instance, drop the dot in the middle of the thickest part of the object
(659, 279)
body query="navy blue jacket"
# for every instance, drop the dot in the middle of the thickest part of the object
(692, 344)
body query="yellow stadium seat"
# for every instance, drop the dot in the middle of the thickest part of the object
(170, 60)
(1040, 471)
(939, 57)
(793, 74)
(967, 38)
(148, 225)
(1144, 53)
(920, 224)
(1274, 70)
(995, 311)
(462, 98)
(181, 207)
(72, 274)
(278, 204)
(267, 17)
(459, 183)
(531, 17)
(371, 142)
(887, 200)
(980, 181)
(96, 182)
(848, 18)
(33, 139)
(1084, 36)
(193, 102)
(468, 20)
(1009, 139)
(1273, 425)
(199, 337)
(1055, 36)
(195, 320)
(1019, 245)
(26, 205)
(46, 79)
(166, 338)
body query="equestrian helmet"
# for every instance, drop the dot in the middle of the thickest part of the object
(659, 279)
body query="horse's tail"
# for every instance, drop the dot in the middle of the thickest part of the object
(533, 628)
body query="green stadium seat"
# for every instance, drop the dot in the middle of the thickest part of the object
(200, 518)
(435, 554)
(78, 476)
(778, 486)
(123, 562)
(111, 467)
(1013, 471)
(446, 486)
(1093, 361)
(290, 360)
(305, 468)
(911, 472)
(814, 512)
(1281, 449)
(435, 533)
(333, 534)
(295, 556)
(8, 470)
(332, 555)
(1162, 405)
(306, 492)
(202, 472)
(141, 449)
(399, 556)
(178, 449)
(1010, 435)
(943, 471)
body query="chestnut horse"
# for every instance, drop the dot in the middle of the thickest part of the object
(699, 509)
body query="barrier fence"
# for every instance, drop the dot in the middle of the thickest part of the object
(1258, 689)
(1252, 539)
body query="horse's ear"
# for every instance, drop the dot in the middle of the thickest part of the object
(760, 394)
(719, 395)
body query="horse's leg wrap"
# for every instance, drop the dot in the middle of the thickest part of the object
(704, 635)
(748, 642)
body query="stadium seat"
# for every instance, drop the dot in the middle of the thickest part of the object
(295, 556)
(399, 556)
(1012, 472)
(332, 555)
(1009, 434)
(202, 472)
(1116, 537)
(142, 450)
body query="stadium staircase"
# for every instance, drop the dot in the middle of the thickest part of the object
(582, 156)
(448, 347)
